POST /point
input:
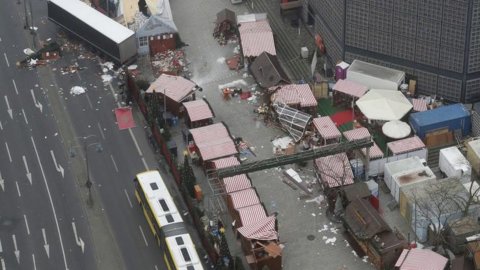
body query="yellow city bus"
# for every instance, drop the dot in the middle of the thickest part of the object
(165, 222)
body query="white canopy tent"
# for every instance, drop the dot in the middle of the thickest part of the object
(396, 129)
(384, 105)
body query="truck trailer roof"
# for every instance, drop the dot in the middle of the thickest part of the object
(95, 19)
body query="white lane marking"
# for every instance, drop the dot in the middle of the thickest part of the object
(79, 240)
(145, 163)
(35, 101)
(113, 94)
(156, 268)
(89, 101)
(101, 131)
(114, 163)
(1, 126)
(9, 110)
(128, 198)
(15, 86)
(51, 204)
(3, 263)
(8, 152)
(58, 167)
(16, 251)
(2, 183)
(25, 116)
(29, 174)
(1, 247)
(34, 263)
(135, 142)
(18, 189)
(6, 59)
(26, 224)
(143, 235)
(46, 245)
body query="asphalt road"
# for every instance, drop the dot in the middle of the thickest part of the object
(48, 220)
(42, 224)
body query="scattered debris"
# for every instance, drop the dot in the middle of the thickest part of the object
(77, 90)
(50, 51)
(106, 78)
(28, 51)
(232, 84)
(170, 62)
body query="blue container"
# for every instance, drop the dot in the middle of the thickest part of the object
(454, 117)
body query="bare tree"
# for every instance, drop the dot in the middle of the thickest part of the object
(473, 197)
(334, 173)
(438, 203)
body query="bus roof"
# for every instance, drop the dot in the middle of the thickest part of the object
(95, 19)
(159, 199)
(183, 252)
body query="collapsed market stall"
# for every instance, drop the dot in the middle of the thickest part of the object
(225, 26)
(292, 120)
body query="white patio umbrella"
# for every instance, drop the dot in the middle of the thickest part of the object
(385, 105)
(396, 129)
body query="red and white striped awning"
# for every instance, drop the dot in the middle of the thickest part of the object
(335, 170)
(326, 128)
(213, 141)
(244, 198)
(350, 88)
(357, 134)
(420, 259)
(295, 94)
(251, 214)
(225, 162)
(419, 105)
(256, 37)
(375, 151)
(198, 110)
(405, 145)
(174, 87)
(236, 183)
(363, 133)
(263, 229)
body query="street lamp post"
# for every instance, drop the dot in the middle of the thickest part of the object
(88, 182)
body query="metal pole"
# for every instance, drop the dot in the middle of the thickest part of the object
(26, 15)
(165, 107)
(88, 184)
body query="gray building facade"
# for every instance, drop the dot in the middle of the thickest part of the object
(435, 41)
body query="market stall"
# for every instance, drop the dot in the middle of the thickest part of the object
(327, 130)
(334, 171)
(240, 199)
(199, 113)
(297, 96)
(256, 35)
(174, 90)
(267, 71)
(361, 133)
(260, 242)
(212, 142)
(249, 215)
(407, 147)
(347, 92)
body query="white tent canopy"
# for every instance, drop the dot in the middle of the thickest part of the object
(385, 105)
(396, 129)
